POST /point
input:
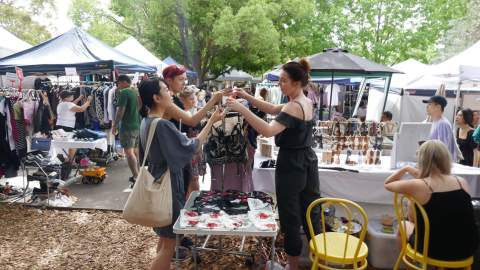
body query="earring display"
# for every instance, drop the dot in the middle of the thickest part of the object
(335, 137)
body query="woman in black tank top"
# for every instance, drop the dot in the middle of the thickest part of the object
(296, 172)
(453, 232)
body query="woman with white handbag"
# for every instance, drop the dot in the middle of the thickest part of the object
(168, 150)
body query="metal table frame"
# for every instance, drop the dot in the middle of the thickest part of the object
(244, 232)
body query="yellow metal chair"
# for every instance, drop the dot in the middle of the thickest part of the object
(408, 254)
(331, 249)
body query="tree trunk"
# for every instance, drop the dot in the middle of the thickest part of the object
(182, 27)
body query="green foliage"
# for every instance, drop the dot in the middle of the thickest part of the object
(464, 33)
(18, 20)
(254, 35)
(387, 31)
(87, 15)
(212, 36)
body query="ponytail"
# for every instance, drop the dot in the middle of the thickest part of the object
(144, 111)
(298, 71)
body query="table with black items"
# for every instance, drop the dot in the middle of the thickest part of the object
(215, 203)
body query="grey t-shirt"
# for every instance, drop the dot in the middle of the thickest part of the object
(169, 148)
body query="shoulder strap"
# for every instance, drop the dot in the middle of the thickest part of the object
(458, 181)
(151, 132)
(301, 107)
(428, 185)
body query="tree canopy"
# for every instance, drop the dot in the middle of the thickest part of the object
(18, 19)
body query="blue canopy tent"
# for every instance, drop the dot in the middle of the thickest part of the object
(170, 61)
(74, 48)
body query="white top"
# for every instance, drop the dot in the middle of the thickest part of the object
(336, 90)
(65, 115)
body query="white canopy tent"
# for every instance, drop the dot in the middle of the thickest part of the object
(10, 44)
(460, 72)
(136, 50)
(412, 70)
(235, 75)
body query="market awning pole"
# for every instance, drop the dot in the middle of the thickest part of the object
(361, 90)
(330, 100)
(386, 90)
(320, 111)
(457, 100)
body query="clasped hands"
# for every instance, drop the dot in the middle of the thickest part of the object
(232, 102)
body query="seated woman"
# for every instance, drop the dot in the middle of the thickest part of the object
(169, 149)
(445, 197)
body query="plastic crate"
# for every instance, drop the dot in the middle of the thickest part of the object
(42, 144)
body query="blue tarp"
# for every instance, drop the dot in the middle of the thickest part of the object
(170, 61)
(74, 48)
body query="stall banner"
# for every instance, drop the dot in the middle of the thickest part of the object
(11, 77)
(71, 71)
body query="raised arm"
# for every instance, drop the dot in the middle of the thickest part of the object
(264, 106)
(262, 127)
(82, 108)
(394, 182)
(192, 120)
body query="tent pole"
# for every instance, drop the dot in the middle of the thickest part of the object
(320, 111)
(457, 100)
(387, 89)
(330, 100)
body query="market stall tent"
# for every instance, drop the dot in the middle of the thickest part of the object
(336, 62)
(412, 70)
(10, 44)
(74, 48)
(235, 75)
(404, 108)
(460, 72)
(134, 49)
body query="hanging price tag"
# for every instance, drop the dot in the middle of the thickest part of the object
(11, 76)
(71, 71)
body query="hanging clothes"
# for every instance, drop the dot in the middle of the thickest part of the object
(227, 142)
(9, 161)
(326, 95)
(20, 140)
(43, 118)
(226, 154)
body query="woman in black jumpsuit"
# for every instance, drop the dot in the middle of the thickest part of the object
(296, 173)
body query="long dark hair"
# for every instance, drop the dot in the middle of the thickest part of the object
(147, 89)
(467, 115)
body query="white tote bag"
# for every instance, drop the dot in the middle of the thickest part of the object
(150, 203)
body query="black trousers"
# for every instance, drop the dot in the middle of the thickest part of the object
(297, 185)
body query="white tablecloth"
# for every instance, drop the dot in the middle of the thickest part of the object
(61, 146)
(366, 186)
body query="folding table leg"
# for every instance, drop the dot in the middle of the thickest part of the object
(272, 259)
(177, 251)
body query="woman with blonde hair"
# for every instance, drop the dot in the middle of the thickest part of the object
(445, 198)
